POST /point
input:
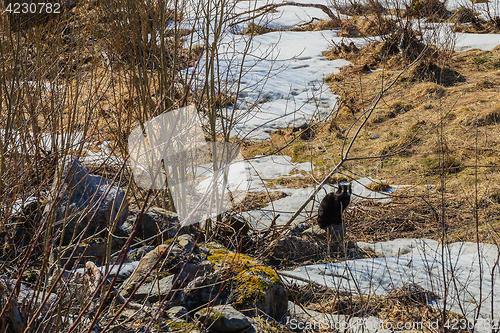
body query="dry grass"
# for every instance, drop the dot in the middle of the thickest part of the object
(406, 304)
(257, 200)
(367, 26)
(407, 122)
(379, 186)
(316, 26)
(420, 217)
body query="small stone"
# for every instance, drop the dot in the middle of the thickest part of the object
(193, 270)
(137, 254)
(315, 232)
(186, 242)
(177, 312)
(299, 228)
(223, 318)
(156, 290)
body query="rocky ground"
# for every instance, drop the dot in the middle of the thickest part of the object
(165, 277)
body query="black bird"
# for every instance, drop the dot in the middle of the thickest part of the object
(333, 204)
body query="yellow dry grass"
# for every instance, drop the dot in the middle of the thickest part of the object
(434, 132)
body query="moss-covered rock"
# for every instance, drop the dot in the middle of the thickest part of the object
(259, 289)
(254, 288)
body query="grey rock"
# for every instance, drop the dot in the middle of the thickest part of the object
(155, 221)
(223, 318)
(226, 286)
(186, 242)
(299, 228)
(179, 312)
(142, 269)
(26, 294)
(273, 302)
(171, 259)
(128, 225)
(192, 270)
(156, 290)
(85, 199)
(137, 254)
(220, 287)
(205, 289)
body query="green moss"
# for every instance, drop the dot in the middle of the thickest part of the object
(168, 241)
(252, 285)
(213, 316)
(224, 257)
(250, 280)
(182, 326)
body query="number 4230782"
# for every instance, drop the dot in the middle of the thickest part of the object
(33, 8)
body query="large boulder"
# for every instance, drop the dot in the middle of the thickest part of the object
(82, 198)
(251, 288)
(260, 290)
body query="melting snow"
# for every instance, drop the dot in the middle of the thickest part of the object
(471, 274)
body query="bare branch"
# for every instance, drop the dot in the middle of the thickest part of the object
(270, 7)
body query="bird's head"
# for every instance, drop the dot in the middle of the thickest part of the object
(344, 190)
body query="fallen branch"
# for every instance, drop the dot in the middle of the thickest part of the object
(94, 277)
(270, 7)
